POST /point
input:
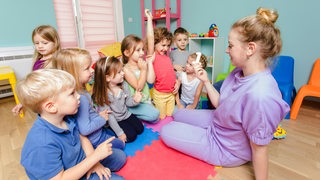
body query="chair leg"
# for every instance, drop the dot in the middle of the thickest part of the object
(296, 105)
(12, 82)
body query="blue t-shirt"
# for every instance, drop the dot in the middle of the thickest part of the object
(49, 149)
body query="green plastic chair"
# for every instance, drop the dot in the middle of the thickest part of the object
(222, 76)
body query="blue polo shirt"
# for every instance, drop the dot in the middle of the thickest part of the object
(49, 149)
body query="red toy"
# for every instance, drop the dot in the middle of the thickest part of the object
(213, 31)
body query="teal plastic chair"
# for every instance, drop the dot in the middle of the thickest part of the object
(222, 76)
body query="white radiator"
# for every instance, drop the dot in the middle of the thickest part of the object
(20, 59)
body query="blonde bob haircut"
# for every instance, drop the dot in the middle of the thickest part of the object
(71, 60)
(42, 85)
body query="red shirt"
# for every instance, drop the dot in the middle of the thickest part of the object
(165, 75)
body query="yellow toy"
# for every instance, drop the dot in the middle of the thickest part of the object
(280, 133)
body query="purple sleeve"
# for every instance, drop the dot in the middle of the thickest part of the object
(261, 116)
(38, 65)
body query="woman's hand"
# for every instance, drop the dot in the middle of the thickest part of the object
(200, 73)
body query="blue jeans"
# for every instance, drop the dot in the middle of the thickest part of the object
(186, 104)
(114, 162)
(94, 176)
(146, 112)
(106, 134)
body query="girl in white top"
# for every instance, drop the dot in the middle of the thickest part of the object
(191, 86)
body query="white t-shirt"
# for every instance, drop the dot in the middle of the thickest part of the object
(188, 89)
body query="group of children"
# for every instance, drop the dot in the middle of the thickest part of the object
(119, 100)
(70, 138)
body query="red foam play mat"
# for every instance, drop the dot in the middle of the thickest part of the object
(159, 162)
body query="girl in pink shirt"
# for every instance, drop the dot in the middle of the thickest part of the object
(165, 86)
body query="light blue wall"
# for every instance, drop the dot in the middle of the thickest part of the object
(19, 17)
(298, 22)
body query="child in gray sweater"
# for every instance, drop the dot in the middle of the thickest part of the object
(109, 92)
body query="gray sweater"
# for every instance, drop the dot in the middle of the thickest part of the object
(118, 106)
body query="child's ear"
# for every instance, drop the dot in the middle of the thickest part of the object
(49, 106)
(126, 53)
(108, 78)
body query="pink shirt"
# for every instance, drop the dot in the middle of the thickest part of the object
(165, 75)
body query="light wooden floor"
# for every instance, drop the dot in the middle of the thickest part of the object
(295, 158)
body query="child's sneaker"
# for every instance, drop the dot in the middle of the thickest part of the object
(280, 133)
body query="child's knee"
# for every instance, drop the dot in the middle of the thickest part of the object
(131, 137)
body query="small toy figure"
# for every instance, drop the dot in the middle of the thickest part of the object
(213, 30)
(163, 13)
(280, 133)
(201, 35)
(160, 12)
(193, 35)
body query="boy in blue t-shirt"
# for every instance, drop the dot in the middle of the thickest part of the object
(54, 148)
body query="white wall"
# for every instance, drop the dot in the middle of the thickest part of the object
(19, 58)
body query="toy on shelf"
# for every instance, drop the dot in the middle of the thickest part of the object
(160, 12)
(193, 35)
(201, 34)
(280, 133)
(213, 30)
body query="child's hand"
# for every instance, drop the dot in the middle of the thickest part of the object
(123, 137)
(104, 149)
(137, 96)
(180, 106)
(142, 65)
(150, 58)
(176, 87)
(17, 109)
(190, 107)
(100, 170)
(105, 114)
(148, 13)
(179, 68)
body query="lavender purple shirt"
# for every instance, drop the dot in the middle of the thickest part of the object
(250, 109)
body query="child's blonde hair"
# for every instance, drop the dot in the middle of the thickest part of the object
(42, 85)
(260, 28)
(203, 59)
(71, 60)
(48, 33)
(107, 66)
(129, 43)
